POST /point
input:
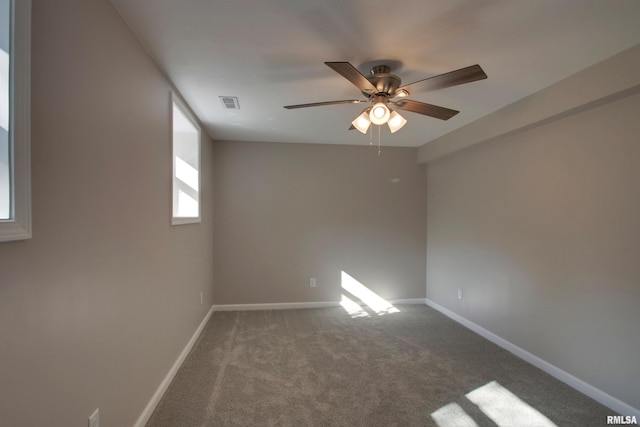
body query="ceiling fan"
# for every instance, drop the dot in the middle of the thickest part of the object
(380, 87)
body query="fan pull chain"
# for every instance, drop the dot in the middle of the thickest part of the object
(379, 151)
(371, 135)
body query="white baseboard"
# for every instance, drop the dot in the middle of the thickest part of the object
(155, 399)
(410, 301)
(591, 391)
(275, 306)
(293, 305)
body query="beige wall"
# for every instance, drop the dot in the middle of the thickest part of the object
(586, 89)
(96, 308)
(541, 230)
(288, 212)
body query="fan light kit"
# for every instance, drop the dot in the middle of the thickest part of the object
(380, 87)
(396, 121)
(362, 122)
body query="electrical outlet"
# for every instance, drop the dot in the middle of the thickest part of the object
(94, 419)
(312, 282)
(459, 293)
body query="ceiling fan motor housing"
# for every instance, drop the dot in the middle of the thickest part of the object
(385, 82)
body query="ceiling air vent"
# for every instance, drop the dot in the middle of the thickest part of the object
(229, 102)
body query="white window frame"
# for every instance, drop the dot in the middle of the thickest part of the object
(18, 226)
(179, 220)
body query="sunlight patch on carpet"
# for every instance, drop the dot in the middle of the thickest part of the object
(452, 415)
(504, 408)
(352, 307)
(361, 293)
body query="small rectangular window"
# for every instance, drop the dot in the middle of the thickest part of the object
(186, 166)
(5, 154)
(15, 124)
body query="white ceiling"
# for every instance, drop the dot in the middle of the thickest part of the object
(271, 53)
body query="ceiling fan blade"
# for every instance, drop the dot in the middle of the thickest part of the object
(426, 109)
(319, 104)
(453, 78)
(352, 74)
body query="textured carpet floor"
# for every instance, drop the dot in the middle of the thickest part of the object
(321, 367)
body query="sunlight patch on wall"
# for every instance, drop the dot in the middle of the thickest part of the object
(362, 294)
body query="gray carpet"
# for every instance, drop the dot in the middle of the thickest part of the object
(321, 367)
